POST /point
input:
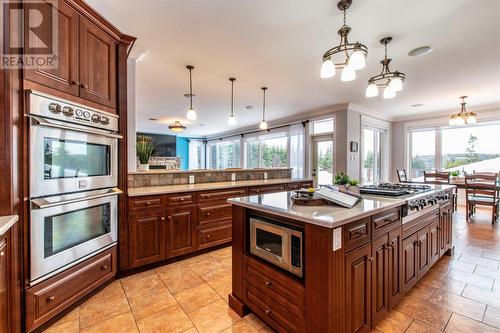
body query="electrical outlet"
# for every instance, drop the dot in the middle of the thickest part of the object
(191, 179)
(233, 177)
(265, 175)
(337, 239)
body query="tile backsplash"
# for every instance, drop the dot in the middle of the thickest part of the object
(208, 176)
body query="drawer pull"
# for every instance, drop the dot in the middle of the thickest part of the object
(2, 253)
(148, 203)
(182, 199)
(358, 231)
(51, 299)
(268, 312)
(104, 267)
(207, 214)
(370, 259)
(269, 284)
(163, 218)
(208, 236)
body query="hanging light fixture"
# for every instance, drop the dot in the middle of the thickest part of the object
(392, 82)
(263, 124)
(191, 113)
(463, 117)
(176, 126)
(353, 54)
(231, 121)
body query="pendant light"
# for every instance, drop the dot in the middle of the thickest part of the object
(176, 126)
(263, 124)
(353, 55)
(463, 117)
(391, 82)
(231, 121)
(191, 113)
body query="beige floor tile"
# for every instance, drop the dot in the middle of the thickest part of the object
(197, 297)
(478, 260)
(179, 278)
(140, 284)
(471, 278)
(241, 327)
(482, 295)
(218, 277)
(394, 322)
(254, 321)
(92, 313)
(191, 330)
(223, 290)
(147, 304)
(113, 289)
(120, 324)
(73, 315)
(214, 317)
(72, 326)
(420, 327)
(462, 324)
(205, 265)
(221, 254)
(429, 313)
(492, 316)
(462, 305)
(422, 291)
(228, 263)
(453, 286)
(171, 320)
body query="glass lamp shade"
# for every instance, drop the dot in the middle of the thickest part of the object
(327, 69)
(396, 84)
(357, 60)
(459, 121)
(263, 125)
(471, 119)
(452, 121)
(389, 93)
(177, 127)
(348, 74)
(191, 114)
(371, 90)
(231, 121)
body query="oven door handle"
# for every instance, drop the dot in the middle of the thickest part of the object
(42, 203)
(46, 123)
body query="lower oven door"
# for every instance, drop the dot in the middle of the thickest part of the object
(66, 230)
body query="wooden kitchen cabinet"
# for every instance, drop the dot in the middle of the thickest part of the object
(4, 288)
(65, 77)
(434, 241)
(395, 267)
(266, 189)
(423, 245)
(181, 234)
(358, 282)
(380, 278)
(410, 257)
(147, 238)
(445, 228)
(97, 65)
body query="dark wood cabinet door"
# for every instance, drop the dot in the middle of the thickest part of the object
(423, 245)
(395, 267)
(181, 231)
(4, 288)
(97, 65)
(445, 229)
(146, 238)
(434, 241)
(65, 76)
(410, 255)
(358, 265)
(380, 278)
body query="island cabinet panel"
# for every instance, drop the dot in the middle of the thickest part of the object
(423, 249)
(434, 241)
(386, 221)
(395, 267)
(146, 238)
(410, 258)
(356, 234)
(358, 283)
(445, 228)
(380, 278)
(214, 234)
(181, 234)
(4, 287)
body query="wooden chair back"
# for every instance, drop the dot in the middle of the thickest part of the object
(437, 177)
(481, 184)
(402, 176)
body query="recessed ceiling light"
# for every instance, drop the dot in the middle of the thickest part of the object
(416, 105)
(250, 107)
(420, 51)
(153, 119)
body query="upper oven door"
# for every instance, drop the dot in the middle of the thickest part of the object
(65, 159)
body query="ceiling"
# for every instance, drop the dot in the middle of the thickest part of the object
(279, 44)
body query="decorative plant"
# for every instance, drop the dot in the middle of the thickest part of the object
(144, 148)
(455, 173)
(354, 182)
(343, 179)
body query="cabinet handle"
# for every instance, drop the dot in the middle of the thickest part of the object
(73, 83)
(148, 202)
(207, 214)
(182, 199)
(104, 267)
(208, 236)
(163, 218)
(269, 284)
(169, 217)
(268, 312)
(83, 86)
(370, 259)
(2, 253)
(51, 299)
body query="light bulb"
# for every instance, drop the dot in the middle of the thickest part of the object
(357, 60)
(191, 114)
(452, 122)
(263, 125)
(460, 121)
(231, 121)
(348, 74)
(372, 90)
(471, 119)
(396, 84)
(389, 93)
(327, 69)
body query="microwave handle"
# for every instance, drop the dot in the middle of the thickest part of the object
(42, 203)
(44, 122)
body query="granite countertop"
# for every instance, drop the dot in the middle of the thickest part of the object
(6, 222)
(167, 189)
(160, 171)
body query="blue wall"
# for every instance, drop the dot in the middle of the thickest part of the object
(182, 151)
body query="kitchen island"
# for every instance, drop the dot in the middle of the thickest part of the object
(344, 269)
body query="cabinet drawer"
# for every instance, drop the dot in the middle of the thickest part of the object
(279, 287)
(266, 189)
(144, 203)
(214, 213)
(50, 297)
(181, 199)
(356, 234)
(306, 185)
(385, 221)
(270, 311)
(208, 237)
(293, 187)
(220, 195)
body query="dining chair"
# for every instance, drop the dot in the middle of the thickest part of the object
(481, 189)
(402, 176)
(437, 177)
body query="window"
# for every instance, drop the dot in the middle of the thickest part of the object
(322, 126)
(267, 151)
(196, 154)
(224, 154)
(423, 152)
(371, 168)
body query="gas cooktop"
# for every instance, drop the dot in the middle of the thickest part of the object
(394, 189)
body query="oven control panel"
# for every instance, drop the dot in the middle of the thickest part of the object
(427, 201)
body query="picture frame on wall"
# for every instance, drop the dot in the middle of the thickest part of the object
(354, 147)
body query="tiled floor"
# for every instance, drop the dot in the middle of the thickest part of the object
(459, 294)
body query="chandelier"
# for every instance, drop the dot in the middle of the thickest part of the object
(463, 117)
(392, 82)
(176, 126)
(352, 55)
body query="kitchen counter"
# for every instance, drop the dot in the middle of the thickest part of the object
(6, 222)
(168, 189)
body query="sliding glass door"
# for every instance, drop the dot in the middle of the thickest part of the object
(323, 159)
(371, 151)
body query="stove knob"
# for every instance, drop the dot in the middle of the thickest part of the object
(79, 113)
(55, 108)
(104, 120)
(86, 114)
(68, 111)
(96, 118)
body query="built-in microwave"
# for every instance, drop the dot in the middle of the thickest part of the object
(277, 244)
